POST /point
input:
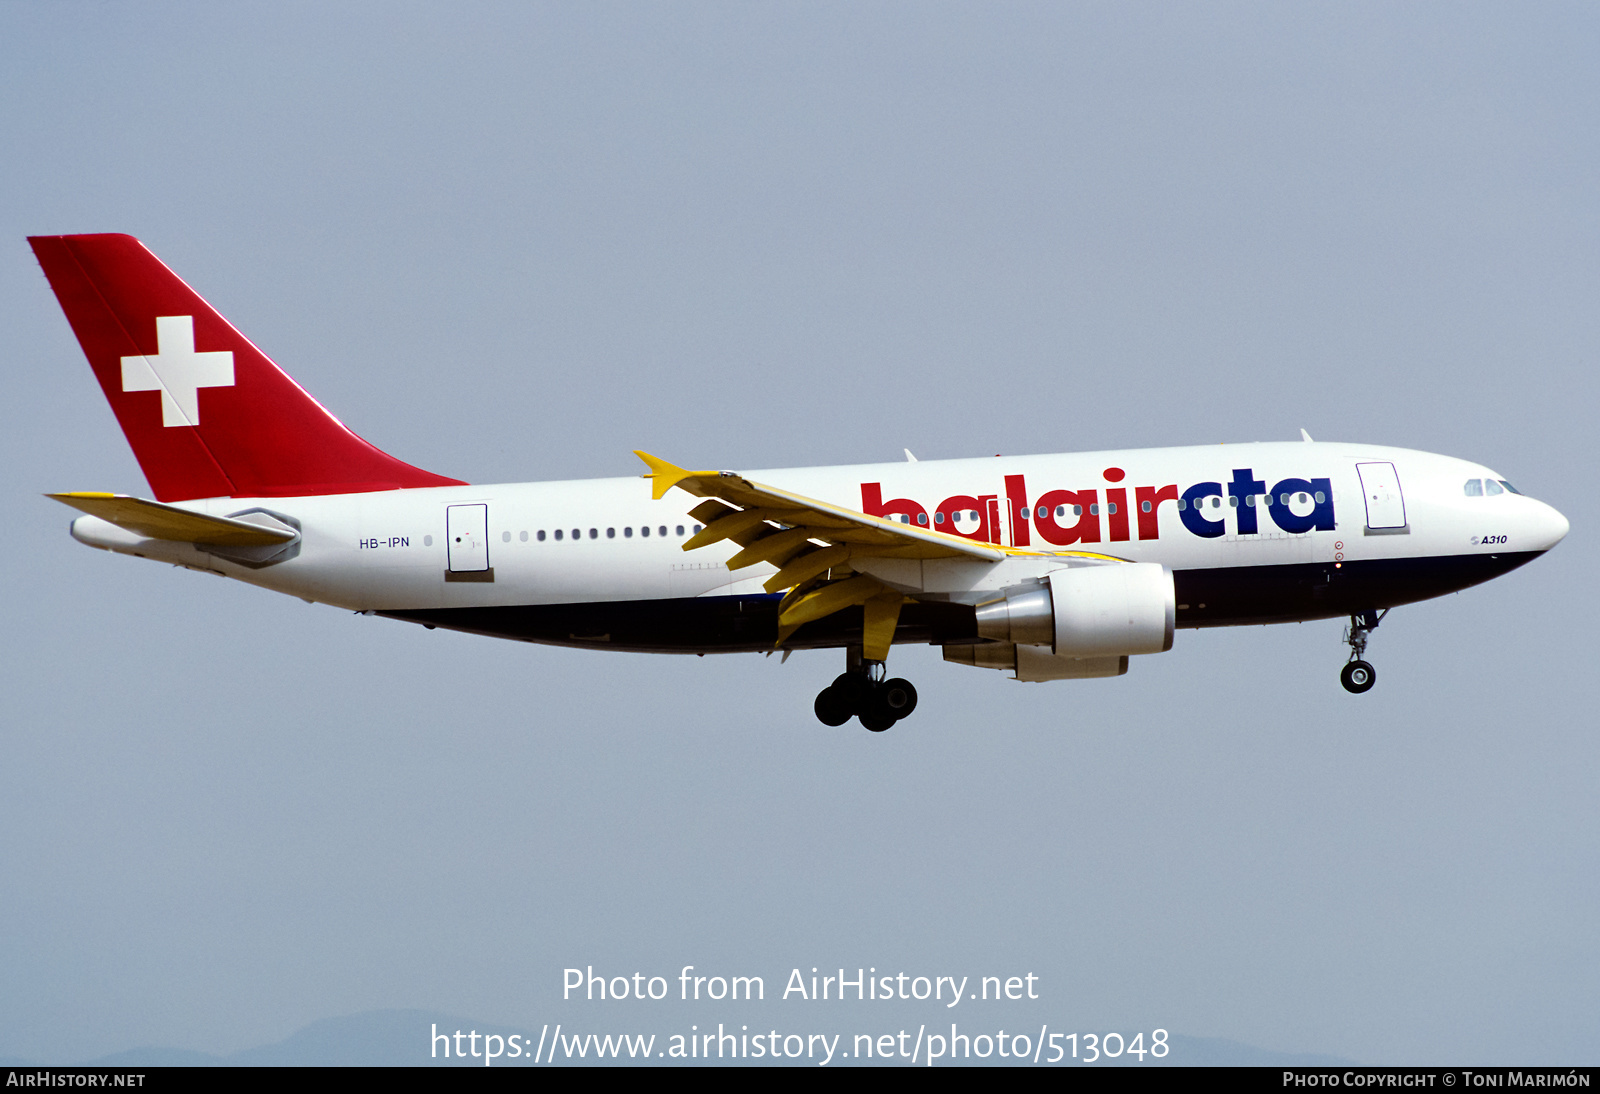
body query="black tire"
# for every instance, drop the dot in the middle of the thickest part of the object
(897, 697)
(832, 708)
(1358, 677)
(876, 720)
(854, 690)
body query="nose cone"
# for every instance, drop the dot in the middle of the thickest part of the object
(1546, 527)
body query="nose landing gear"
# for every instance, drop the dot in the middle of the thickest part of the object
(1358, 676)
(862, 692)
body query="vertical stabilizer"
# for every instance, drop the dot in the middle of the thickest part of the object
(207, 413)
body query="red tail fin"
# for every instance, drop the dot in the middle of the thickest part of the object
(208, 414)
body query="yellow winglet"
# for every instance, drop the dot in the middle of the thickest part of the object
(663, 475)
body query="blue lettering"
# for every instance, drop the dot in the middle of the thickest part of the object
(1243, 486)
(1320, 517)
(1189, 512)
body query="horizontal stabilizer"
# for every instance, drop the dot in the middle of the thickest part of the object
(154, 520)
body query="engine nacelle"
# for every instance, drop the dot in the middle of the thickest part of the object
(1088, 611)
(1035, 662)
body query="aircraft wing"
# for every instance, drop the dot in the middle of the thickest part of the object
(154, 520)
(807, 539)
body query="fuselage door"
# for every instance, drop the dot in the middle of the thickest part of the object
(1380, 488)
(467, 533)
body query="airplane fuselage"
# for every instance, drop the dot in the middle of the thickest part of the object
(597, 563)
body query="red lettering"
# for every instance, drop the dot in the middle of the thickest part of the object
(1042, 514)
(1149, 522)
(1086, 529)
(873, 505)
(949, 507)
(1017, 499)
(1117, 511)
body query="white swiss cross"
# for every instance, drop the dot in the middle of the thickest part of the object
(177, 371)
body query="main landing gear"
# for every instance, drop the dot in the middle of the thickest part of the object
(862, 692)
(1358, 676)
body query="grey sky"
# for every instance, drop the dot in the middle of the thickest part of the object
(514, 242)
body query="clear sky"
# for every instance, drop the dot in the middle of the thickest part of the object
(513, 242)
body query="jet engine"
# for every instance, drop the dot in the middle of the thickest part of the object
(1079, 622)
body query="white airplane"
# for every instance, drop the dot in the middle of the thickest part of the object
(1051, 567)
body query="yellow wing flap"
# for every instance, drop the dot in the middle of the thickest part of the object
(833, 524)
(810, 542)
(156, 520)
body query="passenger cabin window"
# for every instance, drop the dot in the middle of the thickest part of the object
(558, 533)
(1492, 487)
(1474, 488)
(541, 535)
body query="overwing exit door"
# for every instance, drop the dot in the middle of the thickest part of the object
(467, 538)
(1380, 489)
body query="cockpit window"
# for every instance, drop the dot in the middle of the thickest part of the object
(1474, 488)
(1492, 487)
(1509, 487)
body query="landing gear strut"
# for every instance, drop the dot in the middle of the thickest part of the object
(862, 692)
(1358, 676)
